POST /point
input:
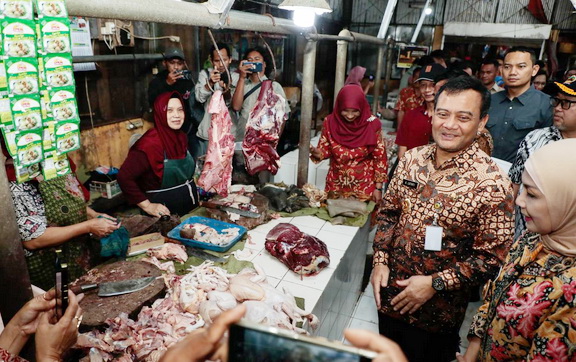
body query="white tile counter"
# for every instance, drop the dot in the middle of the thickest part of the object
(331, 294)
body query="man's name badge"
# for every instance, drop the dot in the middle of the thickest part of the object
(410, 183)
(433, 241)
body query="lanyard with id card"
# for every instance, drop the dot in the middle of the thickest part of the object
(433, 240)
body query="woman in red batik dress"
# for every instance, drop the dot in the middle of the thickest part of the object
(352, 140)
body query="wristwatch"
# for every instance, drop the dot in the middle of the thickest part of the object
(438, 284)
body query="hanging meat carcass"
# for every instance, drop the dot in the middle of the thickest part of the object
(217, 171)
(263, 129)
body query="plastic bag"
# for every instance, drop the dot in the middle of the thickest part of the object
(115, 244)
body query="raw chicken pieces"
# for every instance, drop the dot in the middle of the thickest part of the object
(169, 251)
(263, 131)
(302, 253)
(217, 171)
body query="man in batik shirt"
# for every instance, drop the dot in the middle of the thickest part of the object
(444, 228)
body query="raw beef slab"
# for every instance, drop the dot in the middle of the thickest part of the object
(302, 253)
(217, 172)
(263, 131)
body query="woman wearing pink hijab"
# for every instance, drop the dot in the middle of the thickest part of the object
(529, 312)
(351, 139)
(355, 77)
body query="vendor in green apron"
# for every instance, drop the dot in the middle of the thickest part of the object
(53, 215)
(157, 174)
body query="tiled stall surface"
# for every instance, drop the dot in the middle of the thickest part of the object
(331, 294)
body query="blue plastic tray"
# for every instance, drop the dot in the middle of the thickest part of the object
(216, 224)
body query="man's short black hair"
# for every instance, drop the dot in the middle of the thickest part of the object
(438, 53)
(221, 47)
(464, 83)
(521, 49)
(492, 61)
(424, 60)
(265, 56)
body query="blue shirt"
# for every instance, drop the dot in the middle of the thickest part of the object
(511, 120)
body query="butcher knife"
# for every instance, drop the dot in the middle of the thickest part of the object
(203, 255)
(241, 212)
(110, 289)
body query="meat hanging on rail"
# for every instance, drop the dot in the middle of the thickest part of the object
(217, 171)
(263, 129)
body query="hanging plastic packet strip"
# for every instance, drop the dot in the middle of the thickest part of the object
(51, 8)
(45, 104)
(6, 121)
(17, 9)
(10, 142)
(22, 75)
(3, 80)
(26, 173)
(29, 147)
(49, 137)
(26, 113)
(56, 70)
(67, 137)
(55, 166)
(55, 35)
(19, 38)
(63, 105)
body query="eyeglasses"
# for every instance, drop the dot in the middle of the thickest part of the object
(565, 103)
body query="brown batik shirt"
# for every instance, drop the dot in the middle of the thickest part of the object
(472, 201)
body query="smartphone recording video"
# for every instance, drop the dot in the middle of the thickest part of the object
(256, 66)
(252, 342)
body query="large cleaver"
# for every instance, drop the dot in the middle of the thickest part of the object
(110, 289)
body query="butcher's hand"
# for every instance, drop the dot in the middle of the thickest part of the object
(417, 291)
(387, 349)
(101, 227)
(379, 279)
(205, 343)
(173, 77)
(154, 209)
(244, 69)
(377, 196)
(471, 354)
(54, 339)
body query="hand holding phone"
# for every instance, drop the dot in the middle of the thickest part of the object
(255, 67)
(253, 342)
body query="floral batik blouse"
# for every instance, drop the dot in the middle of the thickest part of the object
(529, 311)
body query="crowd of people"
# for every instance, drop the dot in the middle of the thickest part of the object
(450, 218)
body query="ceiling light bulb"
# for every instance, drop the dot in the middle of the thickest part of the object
(304, 17)
(428, 11)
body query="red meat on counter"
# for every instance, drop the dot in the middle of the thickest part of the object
(263, 129)
(302, 253)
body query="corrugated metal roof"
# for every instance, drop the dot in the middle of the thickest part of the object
(564, 18)
(472, 11)
(407, 13)
(515, 12)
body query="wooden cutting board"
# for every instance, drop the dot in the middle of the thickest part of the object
(97, 309)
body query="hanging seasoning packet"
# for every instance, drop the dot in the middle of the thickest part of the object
(26, 113)
(3, 80)
(19, 38)
(56, 70)
(49, 137)
(26, 173)
(54, 166)
(6, 121)
(22, 75)
(10, 142)
(29, 147)
(67, 137)
(63, 105)
(51, 8)
(17, 9)
(55, 35)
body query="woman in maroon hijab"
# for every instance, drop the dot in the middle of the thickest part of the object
(351, 139)
(157, 174)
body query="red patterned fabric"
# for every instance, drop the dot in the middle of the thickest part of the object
(5, 356)
(353, 171)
